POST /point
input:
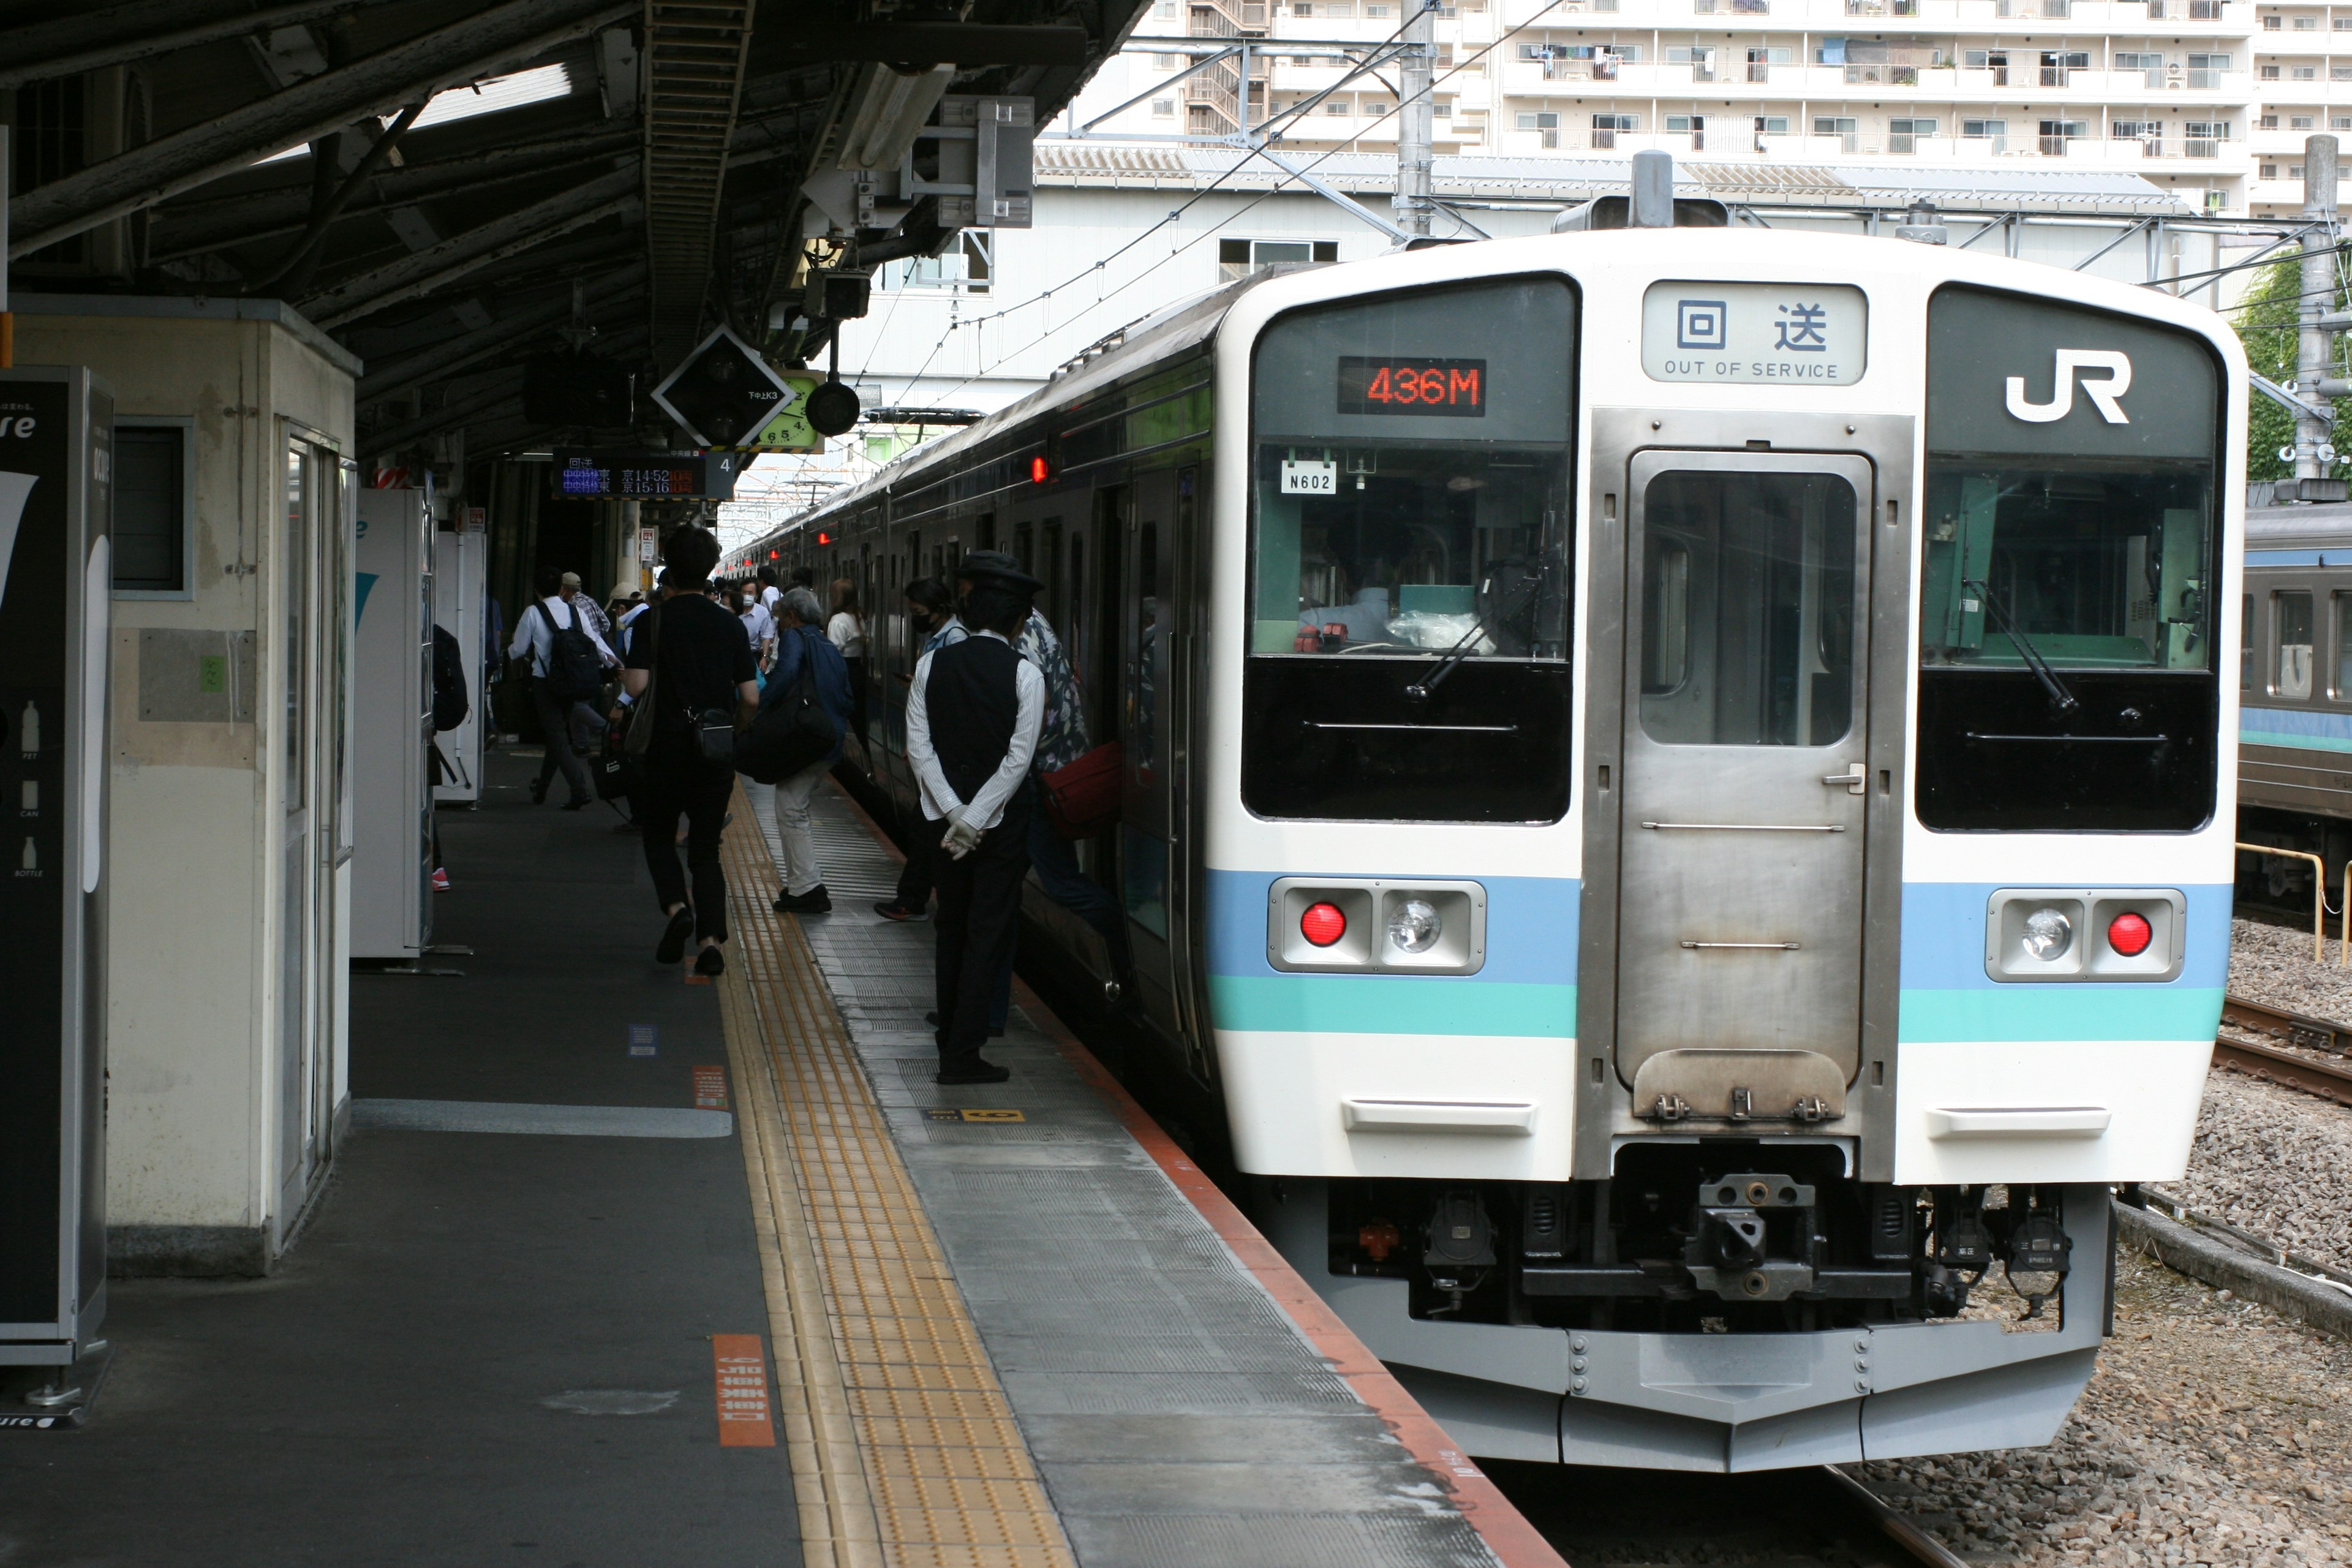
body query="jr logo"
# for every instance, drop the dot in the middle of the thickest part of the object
(2105, 393)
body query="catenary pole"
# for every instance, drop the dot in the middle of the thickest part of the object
(2314, 343)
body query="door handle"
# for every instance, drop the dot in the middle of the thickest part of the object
(1855, 776)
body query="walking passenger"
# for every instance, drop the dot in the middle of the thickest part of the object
(688, 659)
(803, 646)
(930, 610)
(973, 714)
(758, 625)
(847, 630)
(770, 594)
(552, 634)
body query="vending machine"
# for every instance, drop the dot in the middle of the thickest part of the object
(459, 559)
(392, 705)
(56, 435)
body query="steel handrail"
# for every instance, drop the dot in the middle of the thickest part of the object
(2318, 895)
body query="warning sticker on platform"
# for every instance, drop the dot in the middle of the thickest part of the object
(973, 1116)
(1789, 334)
(710, 1089)
(744, 1420)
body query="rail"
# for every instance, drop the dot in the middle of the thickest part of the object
(1896, 1526)
(2277, 1064)
(2318, 895)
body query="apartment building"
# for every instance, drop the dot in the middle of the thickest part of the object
(2209, 99)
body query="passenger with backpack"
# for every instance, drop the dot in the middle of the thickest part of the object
(567, 661)
(803, 715)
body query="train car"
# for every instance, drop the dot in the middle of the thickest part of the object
(1673, 787)
(2294, 678)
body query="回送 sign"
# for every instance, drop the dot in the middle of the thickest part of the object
(1788, 334)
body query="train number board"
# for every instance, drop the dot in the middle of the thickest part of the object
(1455, 387)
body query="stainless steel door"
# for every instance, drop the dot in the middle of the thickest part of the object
(1740, 891)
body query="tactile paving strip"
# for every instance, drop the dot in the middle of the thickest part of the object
(946, 1474)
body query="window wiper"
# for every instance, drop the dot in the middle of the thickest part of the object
(2060, 699)
(1419, 690)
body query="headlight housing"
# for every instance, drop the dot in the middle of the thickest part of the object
(1415, 925)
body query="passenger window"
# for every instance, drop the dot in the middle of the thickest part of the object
(2343, 688)
(2290, 676)
(1750, 626)
(2246, 642)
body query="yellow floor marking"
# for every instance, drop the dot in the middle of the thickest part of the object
(917, 1454)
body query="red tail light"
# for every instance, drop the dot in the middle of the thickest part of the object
(1323, 924)
(2130, 934)
(1039, 470)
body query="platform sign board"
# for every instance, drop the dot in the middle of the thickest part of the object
(724, 392)
(56, 430)
(647, 476)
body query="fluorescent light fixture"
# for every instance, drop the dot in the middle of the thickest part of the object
(887, 111)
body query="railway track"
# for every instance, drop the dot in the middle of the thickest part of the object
(2292, 1050)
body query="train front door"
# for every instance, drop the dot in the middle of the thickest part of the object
(1741, 838)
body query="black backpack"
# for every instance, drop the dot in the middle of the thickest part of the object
(792, 732)
(575, 671)
(449, 703)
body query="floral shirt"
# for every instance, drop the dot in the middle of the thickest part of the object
(1064, 739)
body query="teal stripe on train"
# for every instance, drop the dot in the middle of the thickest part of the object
(1390, 1005)
(2306, 728)
(2058, 1011)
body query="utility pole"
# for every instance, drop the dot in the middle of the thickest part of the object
(2315, 345)
(1416, 121)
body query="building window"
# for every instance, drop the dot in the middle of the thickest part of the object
(1165, 108)
(1303, 8)
(2270, 73)
(2339, 123)
(1443, 109)
(1338, 8)
(1903, 136)
(2271, 23)
(2307, 24)
(967, 268)
(1376, 10)
(2205, 70)
(2339, 73)
(1336, 105)
(2267, 122)
(1240, 257)
(2301, 122)
(152, 519)
(2270, 171)
(2307, 73)
(2057, 133)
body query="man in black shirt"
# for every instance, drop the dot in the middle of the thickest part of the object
(688, 657)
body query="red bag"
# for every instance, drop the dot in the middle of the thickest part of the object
(1082, 798)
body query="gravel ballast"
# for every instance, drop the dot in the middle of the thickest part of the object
(2273, 966)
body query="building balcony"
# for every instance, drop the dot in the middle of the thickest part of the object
(2186, 18)
(1731, 138)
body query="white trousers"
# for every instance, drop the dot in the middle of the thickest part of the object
(789, 804)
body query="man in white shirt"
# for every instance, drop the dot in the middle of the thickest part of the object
(973, 715)
(536, 630)
(758, 625)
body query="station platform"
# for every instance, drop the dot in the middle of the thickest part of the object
(620, 1270)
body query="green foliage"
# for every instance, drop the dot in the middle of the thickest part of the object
(2266, 326)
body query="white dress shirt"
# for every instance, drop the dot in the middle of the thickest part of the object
(761, 628)
(533, 637)
(986, 808)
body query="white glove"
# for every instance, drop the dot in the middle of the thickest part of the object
(961, 837)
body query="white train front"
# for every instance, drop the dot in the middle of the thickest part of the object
(1661, 766)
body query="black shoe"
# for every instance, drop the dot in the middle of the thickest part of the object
(981, 1072)
(583, 804)
(816, 901)
(674, 936)
(932, 1019)
(894, 911)
(539, 792)
(710, 961)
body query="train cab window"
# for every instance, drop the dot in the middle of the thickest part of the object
(2070, 523)
(2290, 665)
(1409, 558)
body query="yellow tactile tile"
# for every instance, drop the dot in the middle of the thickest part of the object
(903, 1448)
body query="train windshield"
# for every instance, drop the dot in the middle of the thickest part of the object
(2085, 565)
(1410, 478)
(1409, 593)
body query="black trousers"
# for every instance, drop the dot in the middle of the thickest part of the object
(555, 719)
(980, 910)
(916, 877)
(679, 783)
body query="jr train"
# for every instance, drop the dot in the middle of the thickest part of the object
(1674, 794)
(2294, 678)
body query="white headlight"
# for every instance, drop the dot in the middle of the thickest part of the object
(1415, 926)
(2048, 935)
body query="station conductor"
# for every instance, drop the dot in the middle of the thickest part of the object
(973, 715)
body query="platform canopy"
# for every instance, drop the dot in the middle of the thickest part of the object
(453, 188)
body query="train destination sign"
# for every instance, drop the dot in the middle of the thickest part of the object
(1457, 388)
(1793, 335)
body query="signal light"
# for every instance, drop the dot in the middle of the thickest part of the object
(1038, 472)
(825, 538)
(775, 555)
(1323, 924)
(2130, 934)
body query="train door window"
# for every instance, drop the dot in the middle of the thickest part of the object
(1748, 632)
(986, 532)
(2246, 643)
(1049, 569)
(1025, 540)
(2342, 689)
(1408, 507)
(2291, 661)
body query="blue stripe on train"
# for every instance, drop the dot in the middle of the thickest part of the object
(2308, 729)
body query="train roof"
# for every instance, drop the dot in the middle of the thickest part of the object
(2287, 527)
